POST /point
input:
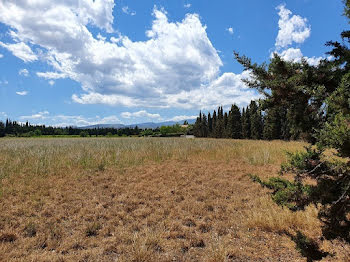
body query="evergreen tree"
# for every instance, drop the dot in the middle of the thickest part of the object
(214, 124)
(298, 87)
(225, 121)
(273, 123)
(204, 126)
(310, 94)
(197, 126)
(210, 125)
(246, 123)
(234, 122)
(2, 129)
(220, 113)
(255, 121)
(219, 129)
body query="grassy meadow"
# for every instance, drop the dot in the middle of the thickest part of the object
(148, 199)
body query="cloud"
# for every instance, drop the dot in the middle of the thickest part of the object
(21, 50)
(1, 55)
(23, 72)
(181, 118)
(40, 115)
(3, 115)
(291, 28)
(51, 82)
(51, 75)
(295, 55)
(230, 30)
(139, 114)
(176, 63)
(126, 10)
(187, 5)
(45, 117)
(225, 90)
(22, 93)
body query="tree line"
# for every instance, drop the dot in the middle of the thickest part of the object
(249, 122)
(14, 128)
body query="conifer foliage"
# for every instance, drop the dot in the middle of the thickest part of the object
(231, 124)
(311, 102)
(246, 123)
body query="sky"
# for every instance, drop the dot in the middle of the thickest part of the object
(83, 62)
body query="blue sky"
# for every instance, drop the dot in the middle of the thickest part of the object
(86, 62)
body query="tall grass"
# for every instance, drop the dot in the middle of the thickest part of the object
(45, 156)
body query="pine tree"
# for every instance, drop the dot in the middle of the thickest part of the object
(204, 126)
(246, 123)
(273, 123)
(234, 122)
(255, 121)
(197, 126)
(292, 86)
(214, 124)
(2, 129)
(219, 129)
(317, 99)
(210, 125)
(225, 131)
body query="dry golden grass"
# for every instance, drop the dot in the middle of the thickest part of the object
(145, 199)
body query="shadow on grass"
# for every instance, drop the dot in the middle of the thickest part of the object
(307, 247)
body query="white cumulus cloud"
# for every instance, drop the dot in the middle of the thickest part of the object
(187, 5)
(177, 62)
(23, 72)
(46, 117)
(230, 30)
(21, 50)
(50, 75)
(126, 10)
(139, 114)
(295, 55)
(3, 115)
(181, 118)
(291, 28)
(22, 93)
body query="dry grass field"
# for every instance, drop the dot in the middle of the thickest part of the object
(148, 199)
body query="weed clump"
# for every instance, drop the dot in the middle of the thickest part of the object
(30, 230)
(8, 237)
(92, 229)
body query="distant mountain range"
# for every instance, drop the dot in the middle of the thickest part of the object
(139, 125)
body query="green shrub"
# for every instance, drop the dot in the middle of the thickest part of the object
(84, 134)
(286, 193)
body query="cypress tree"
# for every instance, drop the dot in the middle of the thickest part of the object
(204, 126)
(255, 121)
(2, 129)
(246, 123)
(234, 122)
(210, 125)
(197, 126)
(225, 121)
(214, 124)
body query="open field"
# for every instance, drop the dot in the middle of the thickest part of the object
(148, 199)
